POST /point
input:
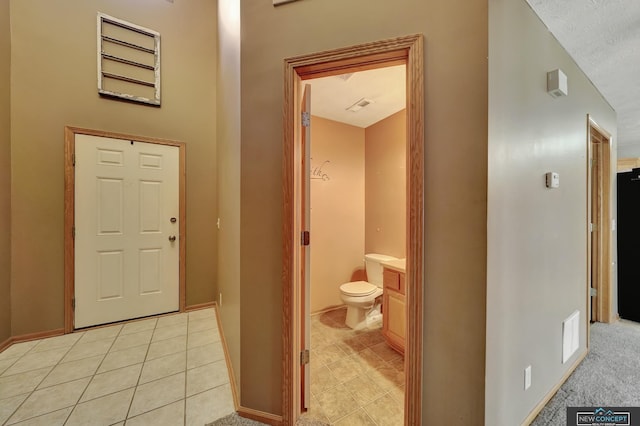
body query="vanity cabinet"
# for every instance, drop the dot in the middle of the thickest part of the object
(394, 308)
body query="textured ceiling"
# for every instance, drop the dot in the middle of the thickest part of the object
(384, 87)
(603, 37)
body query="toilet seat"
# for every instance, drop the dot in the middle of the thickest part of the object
(358, 288)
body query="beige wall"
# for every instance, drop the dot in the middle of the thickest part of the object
(386, 186)
(5, 173)
(337, 208)
(455, 33)
(54, 84)
(537, 237)
(228, 113)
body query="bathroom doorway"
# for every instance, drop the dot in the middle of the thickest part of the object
(339, 360)
(357, 200)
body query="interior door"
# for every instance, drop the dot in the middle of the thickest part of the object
(126, 230)
(596, 229)
(305, 255)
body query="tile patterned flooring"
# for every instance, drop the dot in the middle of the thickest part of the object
(159, 371)
(356, 378)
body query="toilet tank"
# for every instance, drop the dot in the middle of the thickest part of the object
(374, 268)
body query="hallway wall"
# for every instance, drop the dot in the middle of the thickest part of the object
(455, 34)
(5, 172)
(537, 237)
(228, 138)
(53, 62)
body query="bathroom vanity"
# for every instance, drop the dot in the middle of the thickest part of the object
(393, 303)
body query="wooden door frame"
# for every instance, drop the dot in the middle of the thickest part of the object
(402, 50)
(596, 134)
(69, 211)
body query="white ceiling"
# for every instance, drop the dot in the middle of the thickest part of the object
(603, 37)
(385, 87)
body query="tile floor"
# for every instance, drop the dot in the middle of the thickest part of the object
(356, 378)
(160, 371)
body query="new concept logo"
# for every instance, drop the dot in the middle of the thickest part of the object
(601, 416)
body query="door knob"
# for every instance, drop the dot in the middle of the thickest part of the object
(172, 238)
(172, 220)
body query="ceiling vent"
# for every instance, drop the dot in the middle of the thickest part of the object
(359, 105)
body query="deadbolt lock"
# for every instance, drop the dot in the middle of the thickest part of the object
(172, 220)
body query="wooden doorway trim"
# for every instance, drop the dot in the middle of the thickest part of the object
(69, 212)
(627, 164)
(403, 50)
(599, 213)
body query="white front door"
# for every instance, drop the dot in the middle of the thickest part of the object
(126, 229)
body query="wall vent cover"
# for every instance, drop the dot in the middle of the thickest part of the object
(359, 105)
(128, 61)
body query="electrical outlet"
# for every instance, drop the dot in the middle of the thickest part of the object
(527, 378)
(220, 302)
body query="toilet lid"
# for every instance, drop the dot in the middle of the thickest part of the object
(358, 288)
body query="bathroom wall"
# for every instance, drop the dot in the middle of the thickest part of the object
(536, 237)
(5, 173)
(53, 62)
(385, 186)
(337, 208)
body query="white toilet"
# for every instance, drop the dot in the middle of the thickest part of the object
(360, 296)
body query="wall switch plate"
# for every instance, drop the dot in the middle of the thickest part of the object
(527, 377)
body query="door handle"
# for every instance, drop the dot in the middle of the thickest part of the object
(172, 238)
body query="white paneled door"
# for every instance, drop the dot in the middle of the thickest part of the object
(126, 229)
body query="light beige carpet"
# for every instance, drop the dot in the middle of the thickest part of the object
(608, 376)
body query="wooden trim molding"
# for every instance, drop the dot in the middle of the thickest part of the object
(5, 344)
(402, 50)
(69, 220)
(69, 211)
(227, 358)
(259, 416)
(31, 336)
(182, 200)
(415, 233)
(601, 139)
(536, 410)
(627, 164)
(199, 306)
(249, 413)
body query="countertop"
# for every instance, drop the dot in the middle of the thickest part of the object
(397, 264)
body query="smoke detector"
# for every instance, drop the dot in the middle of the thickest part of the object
(557, 83)
(359, 105)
